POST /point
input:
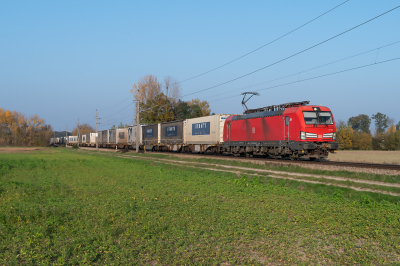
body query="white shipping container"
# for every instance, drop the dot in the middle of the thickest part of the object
(132, 134)
(71, 139)
(205, 130)
(93, 138)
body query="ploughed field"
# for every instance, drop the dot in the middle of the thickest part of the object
(381, 157)
(60, 206)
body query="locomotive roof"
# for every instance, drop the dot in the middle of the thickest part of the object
(277, 107)
(275, 113)
(258, 114)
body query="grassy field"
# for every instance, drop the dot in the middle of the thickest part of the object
(385, 157)
(61, 206)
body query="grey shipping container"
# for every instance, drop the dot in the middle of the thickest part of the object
(150, 134)
(112, 136)
(172, 132)
(104, 137)
(87, 138)
(132, 134)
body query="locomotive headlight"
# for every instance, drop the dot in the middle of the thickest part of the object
(302, 135)
(334, 135)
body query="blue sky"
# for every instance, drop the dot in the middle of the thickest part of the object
(64, 60)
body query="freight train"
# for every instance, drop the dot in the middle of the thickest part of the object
(291, 130)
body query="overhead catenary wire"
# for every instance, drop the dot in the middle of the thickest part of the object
(303, 71)
(293, 55)
(299, 72)
(255, 50)
(106, 108)
(320, 76)
(281, 85)
(119, 111)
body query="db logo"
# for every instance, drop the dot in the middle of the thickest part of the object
(319, 136)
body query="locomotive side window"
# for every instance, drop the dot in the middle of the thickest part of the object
(287, 120)
(322, 118)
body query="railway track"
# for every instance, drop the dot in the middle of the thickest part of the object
(394, 167)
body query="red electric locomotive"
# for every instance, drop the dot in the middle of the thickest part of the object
(294, 130)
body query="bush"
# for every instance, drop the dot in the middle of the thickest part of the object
(362, 141)
(391, 141)
(345, 137)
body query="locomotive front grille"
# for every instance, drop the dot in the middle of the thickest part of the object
(311, 135)
(328, 135)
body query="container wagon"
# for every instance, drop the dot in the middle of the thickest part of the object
(122, 137)
(204, 134)
(151, 136)
(132, 135)
(172, 136)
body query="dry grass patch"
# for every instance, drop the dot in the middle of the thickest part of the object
(383, 157)
(20, 149)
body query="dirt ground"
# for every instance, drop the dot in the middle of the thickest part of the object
(20, 149)
(383, 157)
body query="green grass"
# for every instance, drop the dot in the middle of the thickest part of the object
(66, 207)
(287, 168)
(315, 188)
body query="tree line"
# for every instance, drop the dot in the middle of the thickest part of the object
(18, 130)
(161, 102)
(356, 135)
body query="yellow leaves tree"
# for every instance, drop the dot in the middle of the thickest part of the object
(391, 129)
(204, 107)
(146, 89)
(345, 137)
(17, 130)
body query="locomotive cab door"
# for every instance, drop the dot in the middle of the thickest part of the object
(288, 127)
(229, 133)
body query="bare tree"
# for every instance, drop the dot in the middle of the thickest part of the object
(146, 89)
(172, 89)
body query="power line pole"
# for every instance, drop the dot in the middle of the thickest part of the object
(97, 134)
(78, 133)
(66, 136)
(137, 127)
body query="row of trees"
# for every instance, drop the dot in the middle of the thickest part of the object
(162, 102)
(159, 102)
(18, 130)
(356, 133)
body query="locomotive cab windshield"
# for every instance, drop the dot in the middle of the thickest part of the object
(317, 118)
